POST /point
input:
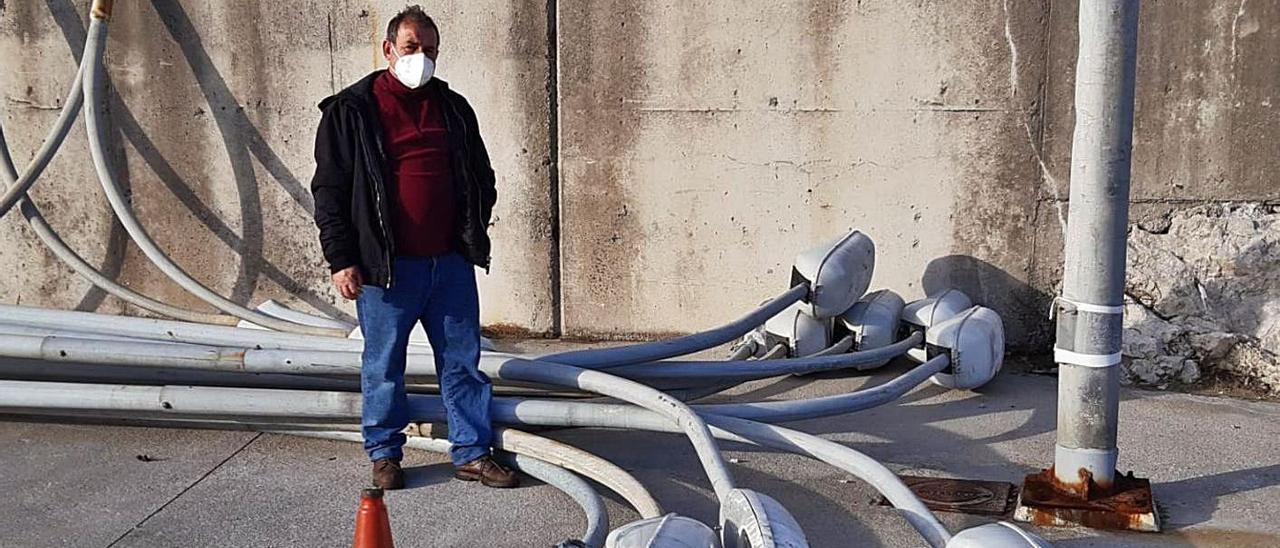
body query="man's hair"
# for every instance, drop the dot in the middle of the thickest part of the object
(411, 14)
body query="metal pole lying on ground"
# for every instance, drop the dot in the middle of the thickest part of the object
(1091, 308)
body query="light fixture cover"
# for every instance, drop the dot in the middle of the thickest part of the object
(997, 535)
(838, 273)
(975, 340)
(668, 530)
(936, 308)
(874, 320)
(804, 333)
(932, 310)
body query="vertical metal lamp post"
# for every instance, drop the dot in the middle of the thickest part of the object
(1083, 487)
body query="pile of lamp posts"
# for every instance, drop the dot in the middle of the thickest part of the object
(272, 369)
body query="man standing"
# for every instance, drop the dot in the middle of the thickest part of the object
(403, 195)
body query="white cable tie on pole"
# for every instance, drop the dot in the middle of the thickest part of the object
(1097, 361)
(1090, 307)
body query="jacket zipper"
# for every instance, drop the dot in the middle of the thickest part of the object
(378, 195)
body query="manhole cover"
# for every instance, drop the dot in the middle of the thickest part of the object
(991, 498)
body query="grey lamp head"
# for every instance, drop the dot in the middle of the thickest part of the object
(668, 530)
(975, 340)
(997, 535)
(804, 333)
(873, 321)
(930, 311)
(838, 272)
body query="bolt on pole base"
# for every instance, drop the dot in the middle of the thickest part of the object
(1128, 505)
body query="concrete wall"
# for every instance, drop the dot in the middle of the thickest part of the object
(703, 145)
(1203, 255)
(660, 162)
(216, 116)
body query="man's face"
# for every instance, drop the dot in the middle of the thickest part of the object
(412, 38)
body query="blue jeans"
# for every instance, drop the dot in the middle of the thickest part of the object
(441, 293)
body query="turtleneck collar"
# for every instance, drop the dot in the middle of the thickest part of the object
(393, 85)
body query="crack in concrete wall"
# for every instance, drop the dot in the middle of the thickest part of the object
(1036, 145)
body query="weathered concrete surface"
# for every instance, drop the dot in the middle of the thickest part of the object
(1208, 74)
(1204, 292)
(83, 486)
(704, 145)
(38, 69)
(1201, 268)
(216, 116)
(75, 476)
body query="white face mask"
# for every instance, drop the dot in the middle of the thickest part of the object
(413, 70)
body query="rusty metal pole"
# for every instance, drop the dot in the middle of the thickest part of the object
(1083, 487)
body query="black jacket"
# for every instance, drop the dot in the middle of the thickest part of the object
(352, 185)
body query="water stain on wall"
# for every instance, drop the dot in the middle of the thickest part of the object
(601, 70)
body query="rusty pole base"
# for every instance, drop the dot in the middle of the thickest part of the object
(1127, 506)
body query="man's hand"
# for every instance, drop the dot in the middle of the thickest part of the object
(348, 282)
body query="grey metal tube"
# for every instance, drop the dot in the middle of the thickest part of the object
(1090, 312)
(794, 410)
(16, 193)
(629, 391)
(688, 394)
(19, 185)
(211, 359)
(174, 331)
(95, 96)
(19, 329)
(21, 397)
(578, 460)
(277, 310)
(763, 369)
(599, 358)
(839, 347)
(743, 352)
(347, 362)
(694, 393)
(188, 401)
(107, 358)
(6, 161)
(32, 370)
(577, 489)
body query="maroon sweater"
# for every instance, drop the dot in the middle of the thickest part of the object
(422, 210)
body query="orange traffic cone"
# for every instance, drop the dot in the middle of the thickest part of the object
(373, 527)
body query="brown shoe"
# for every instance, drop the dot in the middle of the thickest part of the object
(387, 474)
(488, 473)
